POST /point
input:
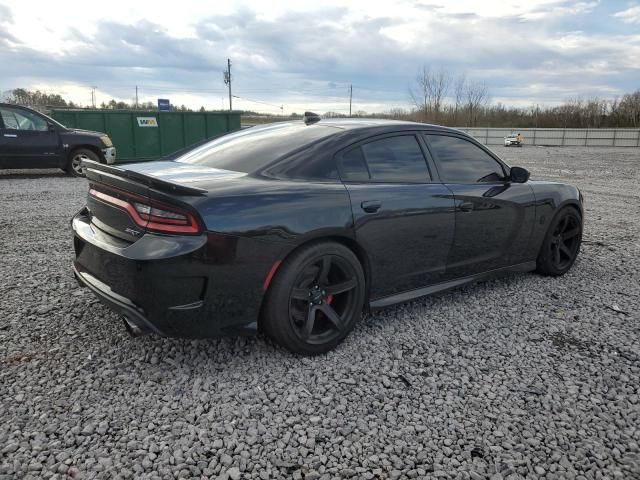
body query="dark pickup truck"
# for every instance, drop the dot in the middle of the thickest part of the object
(29, 139)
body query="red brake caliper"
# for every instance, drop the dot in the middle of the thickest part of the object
(330, 299)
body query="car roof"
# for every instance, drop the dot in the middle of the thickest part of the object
(15, 105)
(4, 104)
(357, 123)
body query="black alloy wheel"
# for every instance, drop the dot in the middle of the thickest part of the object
(561, 244)
(315, 298)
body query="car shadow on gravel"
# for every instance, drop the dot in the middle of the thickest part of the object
(32, 175)
(373, 327)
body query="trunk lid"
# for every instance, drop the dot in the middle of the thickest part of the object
(183, 174)
(128, 200)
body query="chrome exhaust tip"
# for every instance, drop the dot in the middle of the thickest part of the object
(133, 329)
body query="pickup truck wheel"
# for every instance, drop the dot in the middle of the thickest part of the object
(74, 165)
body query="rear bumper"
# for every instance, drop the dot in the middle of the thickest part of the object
(198, 286)
(117, 303)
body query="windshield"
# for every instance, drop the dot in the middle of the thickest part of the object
(55, 122)
(256, 147)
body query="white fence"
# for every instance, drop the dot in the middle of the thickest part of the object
(586, 137)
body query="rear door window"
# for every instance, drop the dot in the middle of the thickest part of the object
(397, 159)
(354, 167)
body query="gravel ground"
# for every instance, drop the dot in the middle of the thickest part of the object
(520, 377)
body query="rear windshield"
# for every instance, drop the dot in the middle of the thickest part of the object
(253, 148)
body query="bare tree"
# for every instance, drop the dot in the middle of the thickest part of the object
(476, 96)
(459, 89)
(397, 113)
(430, 91)
(420, 93)
(438, 88)
(630, 108)
(614, 111)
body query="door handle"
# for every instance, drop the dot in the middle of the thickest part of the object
(466, 207)
(11, 135)
(372, 206)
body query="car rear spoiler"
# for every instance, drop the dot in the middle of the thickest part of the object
(163, 185)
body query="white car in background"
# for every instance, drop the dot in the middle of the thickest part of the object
(512, 140)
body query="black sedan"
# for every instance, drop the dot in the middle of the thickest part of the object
(294, 228)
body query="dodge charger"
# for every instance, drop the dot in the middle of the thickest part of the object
(295, 228)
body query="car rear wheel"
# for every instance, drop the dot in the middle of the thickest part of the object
(561, 244)
(315, 298)
(74, 164)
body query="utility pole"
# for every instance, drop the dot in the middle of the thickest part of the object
(136, 97)
(227, 81)
(93, 96)
(350, 97)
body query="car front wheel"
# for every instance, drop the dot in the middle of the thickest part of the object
(561, 244)
(74, 164)
(315, 298)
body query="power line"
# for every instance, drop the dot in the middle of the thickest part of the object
(281, 107)
(320, 91)
(323, 94)
(178, 89)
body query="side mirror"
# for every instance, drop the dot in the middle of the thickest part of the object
(519, 175)
(51, 127)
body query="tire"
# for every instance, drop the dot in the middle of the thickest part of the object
(73, 164)
(315, 298)
(561, 244)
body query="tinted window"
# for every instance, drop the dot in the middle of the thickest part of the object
(460, 161)
(253, 148)
(18, 119)
(391, 159)
(354, 167)
(311, 164)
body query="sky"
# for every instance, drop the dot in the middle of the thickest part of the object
(304, 55)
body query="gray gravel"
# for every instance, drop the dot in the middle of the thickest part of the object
(520, 377)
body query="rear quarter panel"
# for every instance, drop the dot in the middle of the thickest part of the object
(273, 210)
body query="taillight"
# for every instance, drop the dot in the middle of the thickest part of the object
(151, 215)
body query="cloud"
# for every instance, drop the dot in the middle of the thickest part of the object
(5, 15)
(630, 15)
(543, 52)
(6, 19)
(558, 10)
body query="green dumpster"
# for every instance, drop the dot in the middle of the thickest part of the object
(139, 135)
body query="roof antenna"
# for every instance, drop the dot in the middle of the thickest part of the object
(310, 118)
